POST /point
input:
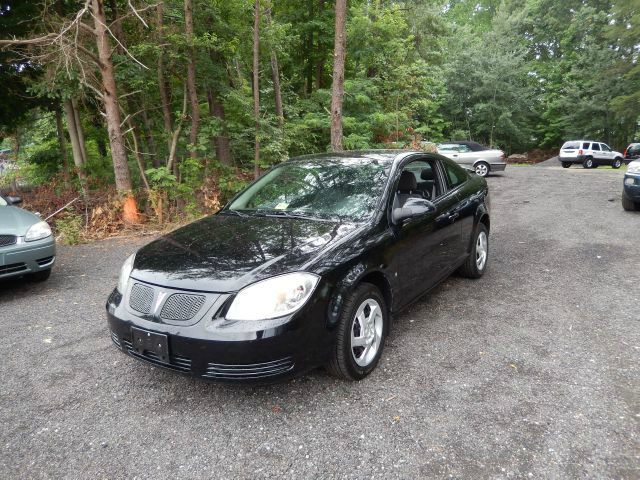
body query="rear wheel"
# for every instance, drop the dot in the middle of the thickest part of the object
(566, 164)
(617, 163)
(362, 330)
(476, 264)
(588, 162)
(629, 205)
(482, 169)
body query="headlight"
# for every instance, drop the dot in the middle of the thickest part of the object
(37, 231)
(125, 271)
(633, 168)
(273, 298)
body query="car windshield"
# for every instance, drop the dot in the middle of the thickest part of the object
(326, 188)
(3, 202)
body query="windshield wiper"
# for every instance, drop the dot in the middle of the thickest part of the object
(233, 212)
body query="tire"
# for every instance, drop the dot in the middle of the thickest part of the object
(41, 276)
(588, 162)
(566, 164)
(473, 267)
(617, 163)
(629, 205)
(482, 169)
(355, 362)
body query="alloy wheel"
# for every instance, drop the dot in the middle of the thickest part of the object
(366, 332)
(482, 169)
(481, 251)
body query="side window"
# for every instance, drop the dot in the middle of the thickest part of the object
(595, 146)
(464, 149)
(585, 146)
(456, 175)
(427, 183)
(605, 147)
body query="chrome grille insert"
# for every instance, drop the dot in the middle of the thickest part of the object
(141, 298)
(181, 306)
(253, 370)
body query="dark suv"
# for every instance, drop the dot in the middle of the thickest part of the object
(632, 152)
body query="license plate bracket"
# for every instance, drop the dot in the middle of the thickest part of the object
(150, 344)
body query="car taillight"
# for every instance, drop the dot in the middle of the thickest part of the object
(502, 156)
(625, 152)
(580, 152)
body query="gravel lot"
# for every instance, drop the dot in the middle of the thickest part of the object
(530, 372)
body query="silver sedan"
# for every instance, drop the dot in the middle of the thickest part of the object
(474, 156)
(27, 246)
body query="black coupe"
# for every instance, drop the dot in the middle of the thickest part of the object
(305, 267)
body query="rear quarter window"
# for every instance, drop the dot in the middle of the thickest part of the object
(585, 145)
(455, 174)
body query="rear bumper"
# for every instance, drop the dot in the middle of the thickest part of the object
(24, 258)
(498, 167)
(234, 352)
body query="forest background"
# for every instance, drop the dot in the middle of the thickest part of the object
(155, 112)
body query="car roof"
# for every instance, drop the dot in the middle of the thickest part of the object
(383, 156)
(585, 140)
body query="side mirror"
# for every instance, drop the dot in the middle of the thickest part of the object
(413, 207)
(14, 200)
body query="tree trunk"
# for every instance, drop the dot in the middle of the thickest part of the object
(256, 86)
(275, 75)
(167, 117)
(191, 78)
(75, 144)
(221, 141)
(337, 93)
(319, 53)
(148, 136)
(112, 111)
(63, 147)
(78, 122)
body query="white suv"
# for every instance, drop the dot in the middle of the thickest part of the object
(589, 153)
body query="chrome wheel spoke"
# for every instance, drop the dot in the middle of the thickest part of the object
(366, 332)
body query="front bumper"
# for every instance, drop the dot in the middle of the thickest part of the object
(632, 186)
(23, 258)
(213, 348)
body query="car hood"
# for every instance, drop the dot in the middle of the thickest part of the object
(224, 253)
(16, 221)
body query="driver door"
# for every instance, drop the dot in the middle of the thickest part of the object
(423, 245)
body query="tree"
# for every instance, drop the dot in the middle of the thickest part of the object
(338, 75)
(256, 86)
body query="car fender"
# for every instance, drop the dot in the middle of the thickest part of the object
(481, 212)
(350, 280)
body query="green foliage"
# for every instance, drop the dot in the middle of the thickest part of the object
(70, 228)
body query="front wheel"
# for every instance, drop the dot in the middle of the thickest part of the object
(566, 164)
(41, 276)
(476, 263)
(617, 163)
(482, 169)
(362, 330)
(629, 205)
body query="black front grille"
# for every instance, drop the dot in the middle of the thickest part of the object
(176, 362)
(252, 370)
(8, 240)
(13, 268)
(181, 306)
(141, 298)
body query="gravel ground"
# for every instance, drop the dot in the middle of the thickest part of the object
(530, 372)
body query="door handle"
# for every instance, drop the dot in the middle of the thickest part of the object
(453, 216)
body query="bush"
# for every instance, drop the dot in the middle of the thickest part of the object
(70, 228)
